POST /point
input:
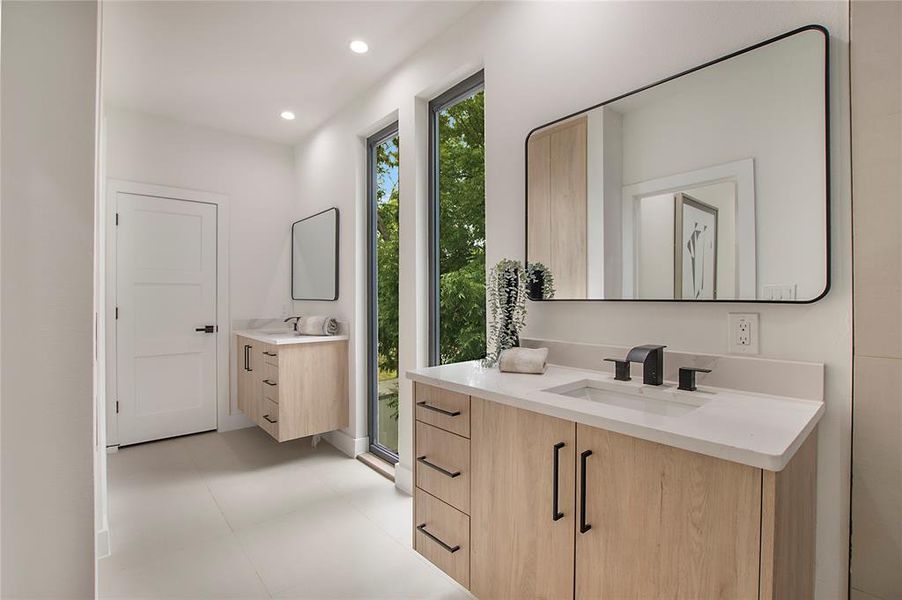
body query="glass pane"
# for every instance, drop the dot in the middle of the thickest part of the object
(461, 186)
(387, 293)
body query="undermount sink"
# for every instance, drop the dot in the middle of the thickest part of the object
(666, 402)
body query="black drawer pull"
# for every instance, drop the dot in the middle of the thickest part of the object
(270, 353)
(447, 413)
(451, 549)
(268, 382)
(556, 515)
(451, 474)
(270, 420)
(583, 526)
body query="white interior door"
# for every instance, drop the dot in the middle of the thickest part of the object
(165, 292)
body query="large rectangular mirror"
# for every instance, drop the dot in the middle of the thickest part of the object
(710, 185)
(314, 257)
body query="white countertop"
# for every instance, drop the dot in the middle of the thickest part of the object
(284, 337)
(754, 429)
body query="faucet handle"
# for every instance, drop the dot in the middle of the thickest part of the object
(621, 368)
(687, 377)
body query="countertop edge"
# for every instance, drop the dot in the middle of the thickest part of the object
(752, 458)
(288, 341)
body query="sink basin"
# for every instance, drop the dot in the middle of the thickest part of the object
(666, 402)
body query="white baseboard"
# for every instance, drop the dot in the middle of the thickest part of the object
(346, 444)
(233, 422)
(404, 479)
(102, 543)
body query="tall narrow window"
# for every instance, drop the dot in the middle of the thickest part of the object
(457, 223)
(382, 209)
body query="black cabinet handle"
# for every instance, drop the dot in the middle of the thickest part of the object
(270, 354)
(268, 382)
(451, 549)
(447, 413)
(446, 472)
(270, 420)
(556, 515)
(247, 359)
(583, 526)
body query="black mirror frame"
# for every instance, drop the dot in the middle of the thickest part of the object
(828, 232)
(337, 263)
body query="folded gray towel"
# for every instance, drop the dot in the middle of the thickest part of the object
(317, 325)
(523, 360)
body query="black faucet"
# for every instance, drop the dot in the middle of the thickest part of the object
(296, 319)
(652, 358)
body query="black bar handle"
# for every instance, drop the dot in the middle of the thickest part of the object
(268, 382)
(246, 358)
(583, 526)
(447, 413)
(556, 515)
(270, 420)
(270, 354)
(422, 529)
(451, 474)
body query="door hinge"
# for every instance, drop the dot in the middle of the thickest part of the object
(117, 219)
(117, 407)
(117, 312)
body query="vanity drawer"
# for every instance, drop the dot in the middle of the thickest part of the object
(443, 465)
(271, 355)
(270, 382)
(269, 417)
(444, 409)
(442, 535)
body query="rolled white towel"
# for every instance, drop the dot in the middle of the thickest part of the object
(523, 360)
(317, 325)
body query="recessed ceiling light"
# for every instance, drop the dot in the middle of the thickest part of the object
(287, 115)
(359, 46)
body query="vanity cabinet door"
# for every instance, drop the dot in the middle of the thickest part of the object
(245, 376)
(521, 547)
(660, 522)
(250, 378)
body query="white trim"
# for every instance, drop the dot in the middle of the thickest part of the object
(345, 443)
(227, 414)
(404, 479)
(102, 547)
(740, 171)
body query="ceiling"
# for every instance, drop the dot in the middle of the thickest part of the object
(236, 66)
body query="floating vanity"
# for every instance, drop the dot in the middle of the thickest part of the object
(293, 386)
(571, 484)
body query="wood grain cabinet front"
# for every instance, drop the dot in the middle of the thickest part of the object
(562, 510)
(293, 390)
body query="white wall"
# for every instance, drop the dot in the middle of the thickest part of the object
(48, 79)
(542, 61)
(255, 175)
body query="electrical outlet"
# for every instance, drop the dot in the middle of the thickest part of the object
(743, 333)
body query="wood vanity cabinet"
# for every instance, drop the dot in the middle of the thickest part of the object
(293, 390)
(564, 510)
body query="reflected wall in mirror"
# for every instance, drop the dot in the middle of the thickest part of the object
(314, 257)
(711, 185)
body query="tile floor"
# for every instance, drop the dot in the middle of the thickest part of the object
(236, 515)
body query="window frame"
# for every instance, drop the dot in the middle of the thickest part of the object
(372, 290)
(462, 90)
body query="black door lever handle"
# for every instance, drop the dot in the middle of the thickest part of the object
(207, 329)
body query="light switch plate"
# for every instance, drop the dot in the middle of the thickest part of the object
(743, 331)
